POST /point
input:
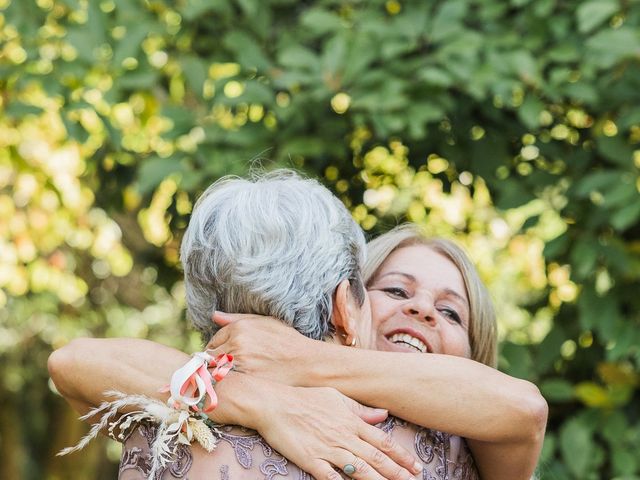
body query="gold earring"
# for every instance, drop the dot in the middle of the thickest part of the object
(353, 342)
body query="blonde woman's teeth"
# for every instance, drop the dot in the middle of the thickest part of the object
(407, 339)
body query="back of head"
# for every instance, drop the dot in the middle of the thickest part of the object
(483, 335)
(277, 244)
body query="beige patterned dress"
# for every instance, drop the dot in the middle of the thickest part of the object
(242, 454)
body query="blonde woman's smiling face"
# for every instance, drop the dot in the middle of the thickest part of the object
(419, 304)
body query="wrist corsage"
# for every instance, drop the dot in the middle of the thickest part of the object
(181, 420)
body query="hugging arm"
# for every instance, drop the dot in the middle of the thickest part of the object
(503, 418)
(85, 368)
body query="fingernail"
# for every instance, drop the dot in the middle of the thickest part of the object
(417, 467)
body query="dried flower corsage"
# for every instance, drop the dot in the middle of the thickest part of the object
(181, 421)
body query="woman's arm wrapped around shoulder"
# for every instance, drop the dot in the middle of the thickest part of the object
(86, 368)
(503, 418)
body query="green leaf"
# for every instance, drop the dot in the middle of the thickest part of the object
(548, 448)
(582, 92)
(193, 9)
(597, 312)
(130, 44)
(557, 390)
(195, 72)
(530, 110)
(140, 79)
(448, 20)
(524, 65)
(614, 428)
(609, 47)
(305, 146)
(256, 92)
(435, 76)
(359, 58)
(75, 130)
(556, 247)
(249, 53)
(114, 134)
(625, 461)
(516, 360)
(630, 117)
(334, 55)
(426, 112)
(628, 338)
(320, 21)
(564, 52)
(511, 193)
(593, 395)
(577, 447)
(595, 12)
(622, 196)
(298, 57)
(155, 169)
(82, 41)
(19, 109)
(600, 181)
(549, 350)
(616, 150)
(183, 120)
(584, 256)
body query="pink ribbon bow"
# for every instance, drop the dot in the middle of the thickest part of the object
(191, 386)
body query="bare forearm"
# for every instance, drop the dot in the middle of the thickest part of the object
(502, 417)
(86, 368)
(447, 393)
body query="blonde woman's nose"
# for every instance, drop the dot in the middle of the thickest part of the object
(422, 309)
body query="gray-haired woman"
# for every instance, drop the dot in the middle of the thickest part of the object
(502, 418)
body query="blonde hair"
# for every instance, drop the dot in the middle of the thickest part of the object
(483, 336)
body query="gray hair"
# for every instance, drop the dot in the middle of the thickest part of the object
(277, 244)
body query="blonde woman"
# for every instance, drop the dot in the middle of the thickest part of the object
(426, 298)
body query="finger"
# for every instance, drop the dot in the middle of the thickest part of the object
(382, 464)
(322, 470)
(386, 455)
(220, 338)
(369, 414)
(360, 469)
(223, 319)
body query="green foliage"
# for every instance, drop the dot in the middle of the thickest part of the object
(435, 112)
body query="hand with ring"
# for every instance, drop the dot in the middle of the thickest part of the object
(319, 429)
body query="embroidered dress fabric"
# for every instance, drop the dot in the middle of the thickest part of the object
(242, 454)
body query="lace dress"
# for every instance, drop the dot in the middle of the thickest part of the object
(242, 454)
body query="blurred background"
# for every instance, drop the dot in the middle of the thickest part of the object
(510, 126)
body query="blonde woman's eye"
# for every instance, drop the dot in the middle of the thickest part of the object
(396, 292)
(452, 314)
